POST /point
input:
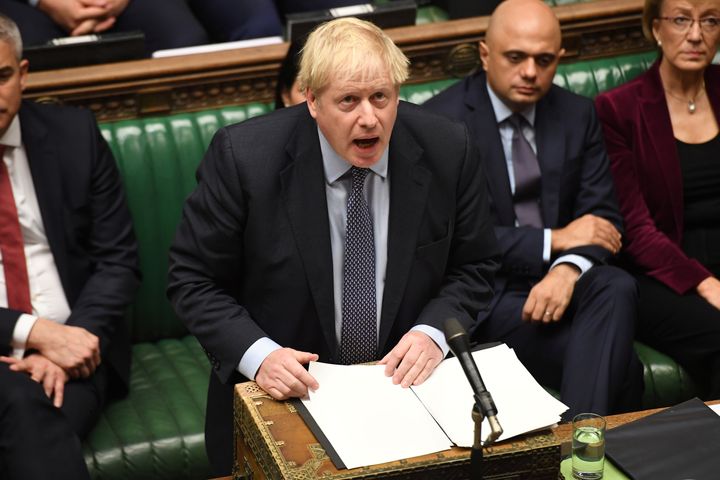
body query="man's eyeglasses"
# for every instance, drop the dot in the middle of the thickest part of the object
(683, 24)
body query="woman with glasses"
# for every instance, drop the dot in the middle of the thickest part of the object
(661, 132)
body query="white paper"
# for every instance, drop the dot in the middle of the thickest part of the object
(217, 47)
(522, 404)
(367, 419)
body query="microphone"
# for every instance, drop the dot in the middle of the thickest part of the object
(457, 339)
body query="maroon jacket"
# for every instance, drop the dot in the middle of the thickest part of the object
(646, 169)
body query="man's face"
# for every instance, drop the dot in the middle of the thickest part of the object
(12, 83)
(520, 59)
(356, 115)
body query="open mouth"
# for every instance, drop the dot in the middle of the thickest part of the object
(365, 143)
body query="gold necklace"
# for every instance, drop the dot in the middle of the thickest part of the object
(691, 106)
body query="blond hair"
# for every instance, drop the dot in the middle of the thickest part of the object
(651, 11)
(347, 48)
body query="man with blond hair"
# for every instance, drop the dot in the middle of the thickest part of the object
(569, 316)
(345, 230)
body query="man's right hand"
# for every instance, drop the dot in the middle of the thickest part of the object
(74, 349)
(282, 374)
(72, 14)
(587, 230)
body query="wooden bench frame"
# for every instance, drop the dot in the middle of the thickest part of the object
(198, 82)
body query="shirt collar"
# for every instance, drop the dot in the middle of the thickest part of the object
(502, 112)
(335, 166)
(13, 135)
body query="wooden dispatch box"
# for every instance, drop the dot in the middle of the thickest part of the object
(273, 442)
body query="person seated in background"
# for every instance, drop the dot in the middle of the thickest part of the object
(165, 23)
(569, 316)
(68, 270)
(287, 92)
(346, 230)
(661, 132)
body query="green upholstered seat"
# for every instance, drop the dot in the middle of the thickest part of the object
(433, 13)
(430, 14)
(157, 431)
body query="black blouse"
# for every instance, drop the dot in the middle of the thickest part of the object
(700, 165)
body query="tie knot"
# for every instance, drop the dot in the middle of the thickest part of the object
(358, 177)
(517, 121)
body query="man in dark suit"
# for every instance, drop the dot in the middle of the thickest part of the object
(69, 270)
(569, 316)
(346, 229)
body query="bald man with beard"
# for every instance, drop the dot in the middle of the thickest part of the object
(568, 314)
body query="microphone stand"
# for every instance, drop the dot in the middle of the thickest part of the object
(476, 454)
(484, 407)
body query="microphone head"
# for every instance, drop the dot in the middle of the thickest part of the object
(453, 329)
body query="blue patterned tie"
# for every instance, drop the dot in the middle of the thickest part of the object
(527, 177)
(359, 314)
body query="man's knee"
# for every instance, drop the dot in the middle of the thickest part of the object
(612, 279)
(22, 397)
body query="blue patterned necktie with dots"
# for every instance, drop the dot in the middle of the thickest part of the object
(358, 341)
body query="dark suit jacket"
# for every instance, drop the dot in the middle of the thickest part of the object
(646, 169)
(574, 166)
(252, 255)
(87, 223)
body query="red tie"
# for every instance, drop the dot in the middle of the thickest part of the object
(12, 246)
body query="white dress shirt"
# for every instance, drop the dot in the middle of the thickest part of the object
(46, 292)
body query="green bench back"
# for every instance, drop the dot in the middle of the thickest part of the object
(158, 156)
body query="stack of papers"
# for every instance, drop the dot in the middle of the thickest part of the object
(368, 420)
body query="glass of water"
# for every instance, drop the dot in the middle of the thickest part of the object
(588, 446)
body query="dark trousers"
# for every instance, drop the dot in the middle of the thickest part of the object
(219, 425)
(588, 355)
(685, 327)
(39, 441)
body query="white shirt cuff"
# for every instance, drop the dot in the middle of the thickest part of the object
(547, 244)
(21, 333)
(578, 260)
(255, 355)
(437, 336)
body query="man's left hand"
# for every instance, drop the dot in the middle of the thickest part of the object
(549, 298)
(42, 370)
(413, 359)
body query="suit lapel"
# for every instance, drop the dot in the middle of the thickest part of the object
(47, 180)
(657, 126)
(550, 141)
(483, 127)
(303, 193)
(409, 183)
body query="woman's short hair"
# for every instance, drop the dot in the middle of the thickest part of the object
(9, 33)
(345, 48)
(651, 12)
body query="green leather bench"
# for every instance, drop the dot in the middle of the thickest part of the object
(157, 431)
